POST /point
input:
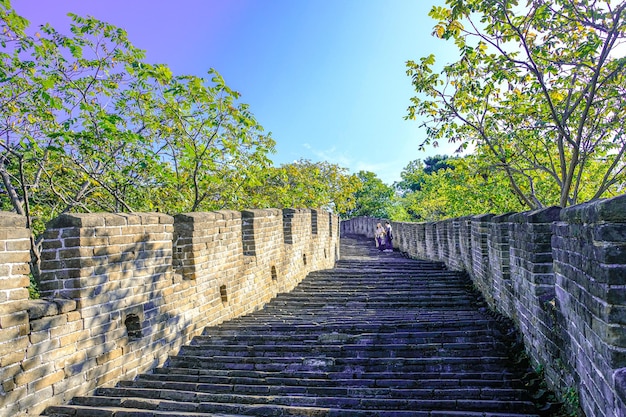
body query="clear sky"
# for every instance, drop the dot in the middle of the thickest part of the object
(326, 77)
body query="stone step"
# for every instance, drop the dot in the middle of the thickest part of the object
(346, 325)
(393, 297)
(417, 337)
(104, 411)
(220, 392)
(389, 350)
(292, 405)
(379, 335)
(496, 377)
(309, 362)
(100, 410)
(371, 380)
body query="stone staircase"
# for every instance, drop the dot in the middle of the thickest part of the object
(378, 335)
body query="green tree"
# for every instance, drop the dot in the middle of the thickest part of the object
(213, 145)
(538, 89)
(468, 187)
(87, 125)
(435, 163)
(413, 174)
(303, 184)
(412, 177)
(374, 198)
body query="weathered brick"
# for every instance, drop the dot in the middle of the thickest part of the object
(14, 257)
(19, 318)
(34, 374)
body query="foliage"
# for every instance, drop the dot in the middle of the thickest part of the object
(435, 163)
(214, 146)
(413, 174)
(304, 184)
(33, 288)
(538, 90)
(374, 198)
(87, 125)
(468, 187)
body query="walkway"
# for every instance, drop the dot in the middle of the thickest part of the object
(378, 335)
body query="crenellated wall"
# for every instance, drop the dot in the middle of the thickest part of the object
(123, 291)
(559, 274)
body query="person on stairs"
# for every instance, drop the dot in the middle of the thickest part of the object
(388, 238)
(379, 236)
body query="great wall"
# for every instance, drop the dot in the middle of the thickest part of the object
(122, 292)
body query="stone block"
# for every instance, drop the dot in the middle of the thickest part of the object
(17, 245)
(73, 338)
(11, 220)
(19, 318)
(77, 220)
(14, 281)
(14, 257)
(31, 375)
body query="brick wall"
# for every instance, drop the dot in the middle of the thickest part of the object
(559, 274)
(123, 291)
(589, 246)
(480, 272)
(14, 327)
(498, 246)
(532, 278)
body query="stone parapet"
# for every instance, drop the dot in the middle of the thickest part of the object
(122, 292)
(589, 246)
(559, 274)
(480, 271)
(14, 323)
(532, 280)
(499, 246)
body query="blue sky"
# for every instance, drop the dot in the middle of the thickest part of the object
(326, 77)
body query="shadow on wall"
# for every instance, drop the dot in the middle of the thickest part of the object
(123, 291)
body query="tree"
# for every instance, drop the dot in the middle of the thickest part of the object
(469, 186)
(87, 125)
(413, 174)
(213, 145)
(374, 198)
(538, 88)
(304, 184)
(412, 177)
(436, 163)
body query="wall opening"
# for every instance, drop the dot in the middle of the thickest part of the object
(223, 294)
(247, 233)
(288, 217)
(274, 275)
(304, 258)
(330, 224)
(133, 327)
(314, 222)
(325, 255)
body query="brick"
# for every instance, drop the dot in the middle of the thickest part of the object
(76, 252)
(14, 257)
(33, 374)
(20, 269)
(14, 281)
(48, 322)
(72, 338)
(18, 245)
(12, 221)
(14, 357)
(19, 318)
(11, 307)
(109, 356)
(42, 348)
